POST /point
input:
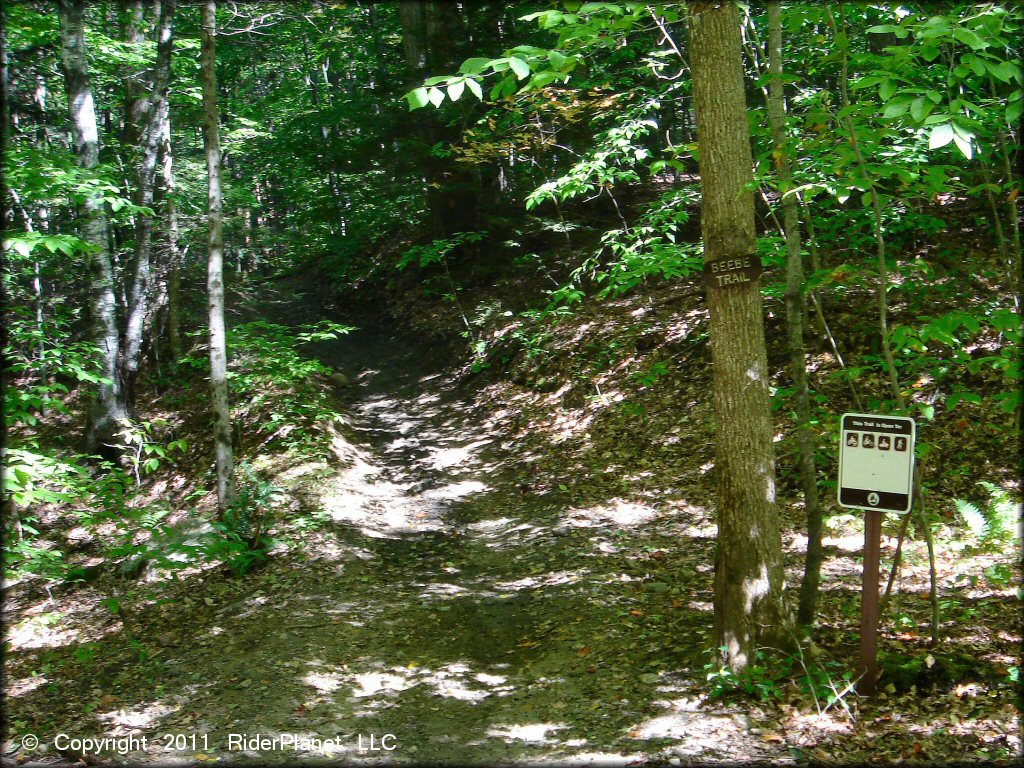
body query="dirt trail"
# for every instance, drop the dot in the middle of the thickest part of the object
(448, 609)
(455, 614)
(468, 618)
(461, 614)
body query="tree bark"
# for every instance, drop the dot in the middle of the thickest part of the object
(173, 251)
(149, 138)
(6, 218)
(808, 600)
(429, 32)
(108, 408)
(136, 104)
(749, 577)
(215, 263)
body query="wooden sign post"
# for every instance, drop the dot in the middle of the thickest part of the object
(869, 602)
(876, 474)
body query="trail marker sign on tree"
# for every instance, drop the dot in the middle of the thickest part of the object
(876, 462)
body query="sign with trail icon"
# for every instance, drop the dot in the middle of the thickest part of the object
(876, 462)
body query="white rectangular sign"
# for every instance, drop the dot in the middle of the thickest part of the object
(876, 461)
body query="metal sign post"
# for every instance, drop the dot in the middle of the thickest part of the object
(876, 474)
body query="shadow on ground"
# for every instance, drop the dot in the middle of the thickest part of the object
(457, 616)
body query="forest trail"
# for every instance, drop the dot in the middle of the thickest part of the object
(445, 600)
(458, 611)
(554, 497)
(442, 602)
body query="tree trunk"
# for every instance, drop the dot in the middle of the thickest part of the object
(215, 263)
(136, 104)
(5, 113)
(325, 133)
(6, 218)
(173, 251)
(749, 578)
(429, 30)
(808, 602)
(149, 138)
(380, 69)
(109, 408)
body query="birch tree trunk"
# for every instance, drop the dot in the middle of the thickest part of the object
(6, 218)
(133, 15)
(109, 406)
(749, 578)
(808, 600)
(215, 263)
(173, 250)
(149, 139)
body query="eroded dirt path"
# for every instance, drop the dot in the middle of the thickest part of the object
(444, 608)
(466, 616)
(447, 609)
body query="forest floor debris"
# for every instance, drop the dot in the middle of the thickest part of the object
(473, 595)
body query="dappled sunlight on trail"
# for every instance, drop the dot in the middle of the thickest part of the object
(448, 599)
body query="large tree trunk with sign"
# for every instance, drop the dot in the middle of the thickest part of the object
(749, 579)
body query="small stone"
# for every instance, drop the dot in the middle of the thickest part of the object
(338, 379)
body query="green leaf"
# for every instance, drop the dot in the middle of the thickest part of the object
(897, 107)
(21, 246)
(541, 79)
(940, 136)
(963, 143)
(972, 516)
(1014, 110)
(967, 37)
(417, 98)
(111, 604)
(455, 89)
(474, 86)
(920, 108)
(504, 87)
(976, 64)
(865, 82)
(1002, 70)
(473, 66)
(520, 67)
(436, 96)
(962, 397)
